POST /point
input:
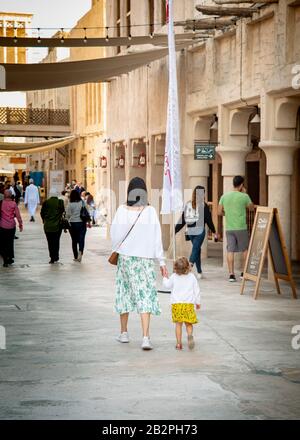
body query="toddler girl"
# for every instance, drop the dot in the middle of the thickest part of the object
(185, 295)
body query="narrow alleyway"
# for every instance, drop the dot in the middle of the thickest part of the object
(62, 360)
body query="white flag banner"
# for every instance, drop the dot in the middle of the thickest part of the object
(172, 188)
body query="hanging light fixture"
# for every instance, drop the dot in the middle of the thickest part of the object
(62, 40)
(15, 37)
(194, 27)
(39, 38)
(85, 37)
(107, 37)
(215, 125)
(256, 118)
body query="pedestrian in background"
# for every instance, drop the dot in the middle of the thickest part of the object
(65, 198)
(52, 214)
(78, 227)
(32, 199)
(8, 212)
(196, 215)
(2, 188)
(234, 205)
(185, 296)
(136, 237)
(91, 207)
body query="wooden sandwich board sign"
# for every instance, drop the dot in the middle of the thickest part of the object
(267, 236)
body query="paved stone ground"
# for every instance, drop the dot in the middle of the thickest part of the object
(62, 360)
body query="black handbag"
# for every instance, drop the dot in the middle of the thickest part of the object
(64, 223)
(84, 214)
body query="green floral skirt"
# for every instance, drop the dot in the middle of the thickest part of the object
(136, 286)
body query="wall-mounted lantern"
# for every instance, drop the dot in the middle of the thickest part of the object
(103, 162)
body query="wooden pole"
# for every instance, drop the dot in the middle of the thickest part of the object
(226, 12)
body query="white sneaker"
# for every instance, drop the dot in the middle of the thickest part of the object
(123, 338)
(79, 257)
(146, 344)
(199, 276)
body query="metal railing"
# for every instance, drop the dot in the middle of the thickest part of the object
(34, 116)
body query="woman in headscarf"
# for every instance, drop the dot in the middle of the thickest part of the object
(136, 236)
(52, 213)
(8, 212)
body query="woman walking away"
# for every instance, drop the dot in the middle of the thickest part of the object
(136, 236)
(185, 295)
(8, 212)
(196, 215)
(78, 225)
(52, 212)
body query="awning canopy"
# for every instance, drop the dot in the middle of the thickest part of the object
(33, 147)
(23, 77)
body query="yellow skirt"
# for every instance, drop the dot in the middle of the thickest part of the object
(184, 313)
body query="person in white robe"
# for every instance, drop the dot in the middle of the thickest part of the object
(32, 199)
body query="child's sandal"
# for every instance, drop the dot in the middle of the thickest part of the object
(178, 347)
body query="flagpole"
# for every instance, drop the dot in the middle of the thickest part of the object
(172, 185)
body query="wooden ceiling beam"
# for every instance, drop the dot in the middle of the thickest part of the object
(205, 24)
(228, 2)
(226, 12)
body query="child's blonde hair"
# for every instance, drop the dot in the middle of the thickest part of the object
(182, 266)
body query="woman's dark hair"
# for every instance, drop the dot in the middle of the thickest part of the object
(75, 196)
(194, 196)
(137, 192)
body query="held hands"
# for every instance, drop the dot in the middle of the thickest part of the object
(198, 306)
(164, 271)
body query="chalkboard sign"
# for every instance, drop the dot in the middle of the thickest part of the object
(267, 235)
(276, 250)
(258, 243)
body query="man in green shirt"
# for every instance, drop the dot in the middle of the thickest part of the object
(234, 206)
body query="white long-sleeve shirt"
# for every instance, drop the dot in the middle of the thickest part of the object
(145, 238)
(184, 288)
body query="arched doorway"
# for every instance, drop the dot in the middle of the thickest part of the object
(256, 162)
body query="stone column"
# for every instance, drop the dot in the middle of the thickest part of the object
(233, 164)
(280, 155)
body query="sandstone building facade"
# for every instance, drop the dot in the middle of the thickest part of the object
(248, 68)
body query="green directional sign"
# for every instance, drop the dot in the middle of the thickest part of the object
(204, 151)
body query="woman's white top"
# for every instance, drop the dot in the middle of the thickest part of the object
(184, 288)
(145, 238)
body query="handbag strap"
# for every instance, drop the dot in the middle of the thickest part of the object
(132, 226)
